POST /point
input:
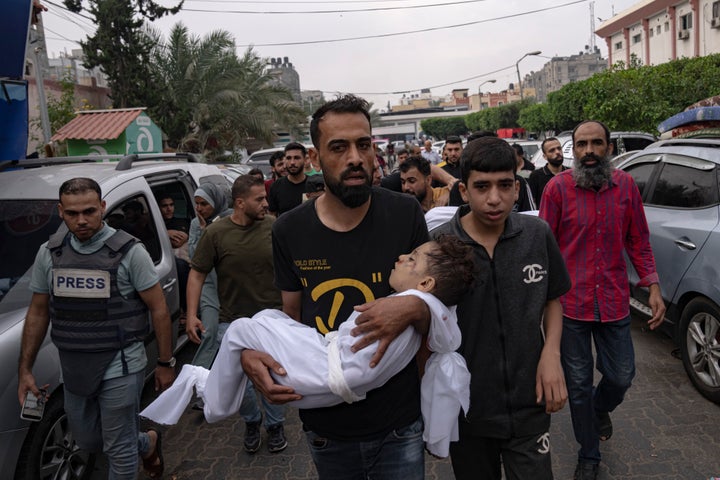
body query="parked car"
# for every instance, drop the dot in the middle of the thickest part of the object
(261, 159)
(438, 147)
(530, 147)
(381, 145)
(622, 143)
(233, 170)
(399, 145)
(28, 216)
(678, 180)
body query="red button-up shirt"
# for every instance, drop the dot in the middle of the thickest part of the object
(592, 229)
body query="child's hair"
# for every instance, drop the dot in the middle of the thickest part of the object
(452, 264)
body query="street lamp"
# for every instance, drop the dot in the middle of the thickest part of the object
(517, 68)
(480, 91)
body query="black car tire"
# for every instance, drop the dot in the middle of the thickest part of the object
(49, 450)
(699, 341)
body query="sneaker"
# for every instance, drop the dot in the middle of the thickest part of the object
(276, 438)
(252, 437)
(586, 471)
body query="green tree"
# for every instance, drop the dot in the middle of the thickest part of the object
(495, 118)
(444, 127)
(120, 48)
(536, 118)
(212, 100)
(61, 109)
(638, 97)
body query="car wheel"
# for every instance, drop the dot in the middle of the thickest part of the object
(50, 451)
(699, 341)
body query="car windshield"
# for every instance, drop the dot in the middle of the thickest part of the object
(25, 225)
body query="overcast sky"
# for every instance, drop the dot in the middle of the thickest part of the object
(464, 43)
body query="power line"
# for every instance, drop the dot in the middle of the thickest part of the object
(433, 86)
(302, 12)
(431, 29)
(74, 13)
(86, 28)
(62, 37)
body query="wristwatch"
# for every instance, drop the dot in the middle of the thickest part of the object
(170, 363)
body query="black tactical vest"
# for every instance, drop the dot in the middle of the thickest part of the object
(87, 312)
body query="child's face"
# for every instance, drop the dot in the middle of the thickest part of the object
(491, 196)
(411, 269)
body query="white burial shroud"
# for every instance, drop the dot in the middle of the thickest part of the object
(326, 372)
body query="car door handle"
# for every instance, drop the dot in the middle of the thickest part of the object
(170, 284)
(685, 244)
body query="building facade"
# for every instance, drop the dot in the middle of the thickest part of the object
(286, 75)
(560, 71)
(658, 31)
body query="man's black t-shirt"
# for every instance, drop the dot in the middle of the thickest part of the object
(452, 169)
(392, 182)
(336, 271)
(285, 195)
(537, 181)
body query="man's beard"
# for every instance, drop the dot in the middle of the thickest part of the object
(351, 196)
(420, 195)
(294, 170)
(594, 176)
(555, 162)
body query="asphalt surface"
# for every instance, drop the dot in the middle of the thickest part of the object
(663, 430)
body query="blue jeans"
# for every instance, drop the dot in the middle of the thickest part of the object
(108, 422)
(399, 455)
(249, 409)
(616, 363)
(209, 344)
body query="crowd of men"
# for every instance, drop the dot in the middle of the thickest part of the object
(319, 241)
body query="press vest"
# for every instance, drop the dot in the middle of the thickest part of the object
(87, 312)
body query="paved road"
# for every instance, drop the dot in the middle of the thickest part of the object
(663, 430)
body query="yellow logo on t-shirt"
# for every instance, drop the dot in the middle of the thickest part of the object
(334, 286)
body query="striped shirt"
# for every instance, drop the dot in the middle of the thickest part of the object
(592, 230)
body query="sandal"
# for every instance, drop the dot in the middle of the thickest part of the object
(153, 468)
(604, 425)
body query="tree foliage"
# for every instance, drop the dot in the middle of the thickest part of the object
(634, 98)
(492, 119)
(211, 100)
(120, 48)
(62, 109)
(444, 127)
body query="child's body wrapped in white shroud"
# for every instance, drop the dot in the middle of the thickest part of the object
(326, 372)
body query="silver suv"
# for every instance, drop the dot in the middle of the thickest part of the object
(28, 216)
(678, 180)
(623, 142)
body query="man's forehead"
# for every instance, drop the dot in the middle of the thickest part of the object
(294, 153)
(590, 130)
(85, 197)
(411, 172)
(336, 125)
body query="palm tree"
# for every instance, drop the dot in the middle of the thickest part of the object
(212, 100)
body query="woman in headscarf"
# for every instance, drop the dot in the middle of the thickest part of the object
(211, 203)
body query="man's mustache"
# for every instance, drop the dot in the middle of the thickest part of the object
(591, 156)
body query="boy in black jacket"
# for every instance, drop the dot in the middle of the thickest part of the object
(511, 323)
